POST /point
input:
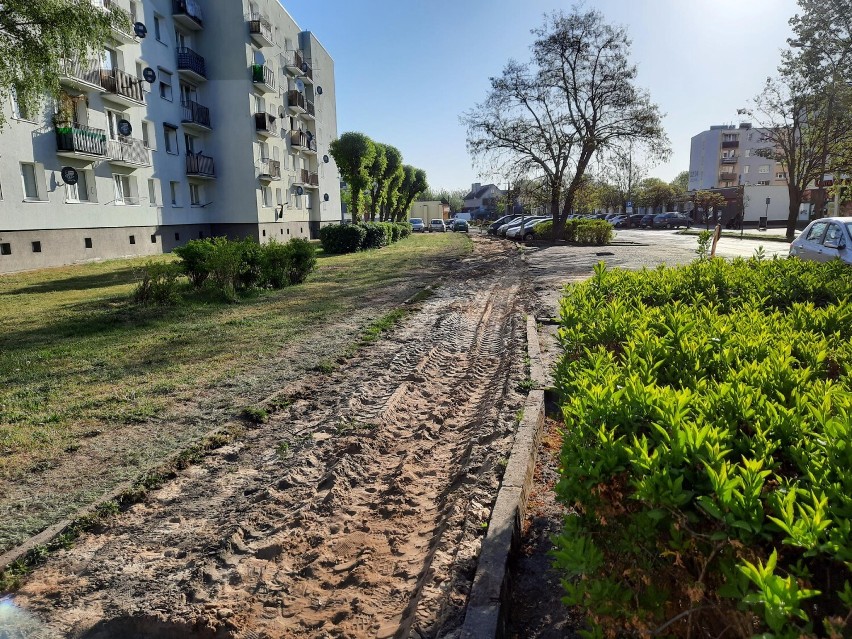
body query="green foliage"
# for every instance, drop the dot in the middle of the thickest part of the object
(287, 264)
(342, 238)
(704, 239)
(354, 154)
(376, 235)
(708, 421)
(194, 256)
(157, 284)
(595, 232)
(404, 229)
(38, 36)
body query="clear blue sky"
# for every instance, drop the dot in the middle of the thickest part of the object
(406, 69)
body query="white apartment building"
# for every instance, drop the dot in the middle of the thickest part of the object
(216, 122)
(726, 155)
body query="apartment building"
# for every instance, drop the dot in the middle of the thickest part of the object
(727, 155)
(214, 117)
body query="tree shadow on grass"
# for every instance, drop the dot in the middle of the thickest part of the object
(77, 283)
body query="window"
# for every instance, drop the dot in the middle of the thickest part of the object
(166, 85)
(28, 174)
(150, 141)
(87, 242)
(18, 109)
(189, 142)
(153, 239)
(36, 247)
(177, 237)
(125, 190)
(762, 183)
(78, 192)
(764, 168)
(308, 201)
(170, 135)
(266, 195)
(5, 248)
(279, 197)
(146, 86)
(817, 230)
(746, 168)
(833, 235)
(133, 239)
(259, 104)
(748, 153)
(174, 189)
(152, 191)
(158, 28)
(781, 175)
(195, 194)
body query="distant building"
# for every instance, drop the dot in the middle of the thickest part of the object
(481, 201)
(727, 156)
(430, 210)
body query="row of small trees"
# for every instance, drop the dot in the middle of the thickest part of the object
(380, 185)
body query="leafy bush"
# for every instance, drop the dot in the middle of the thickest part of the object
(158, 284)
(375, 235)
(275, 260)
(708, 444)
(301, 260)
(404, 229)
(342, 238)
(225, 264)
(396, 232)
(596, 232)
(194, 255)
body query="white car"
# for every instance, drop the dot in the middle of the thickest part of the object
(437, 225)
(824, 240)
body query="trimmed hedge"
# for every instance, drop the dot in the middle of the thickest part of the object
(348, 238)
(707, 450)
(594, 232)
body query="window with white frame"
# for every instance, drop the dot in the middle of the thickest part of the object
(153, 187)
(764, 168)
(125, 190)
(148, 138)
(279, 197)
(762, 183)
(166, 85)
(748, 153)
(170, 136)
(158, 28)
(746, 168)
(78, 192)
(781, 175)
(28, 175)
(195, 194)
(174, 191)
(266, 196)
(308, 201)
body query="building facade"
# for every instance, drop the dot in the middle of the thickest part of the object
(213, 118)
(482, 199)
(727, 155)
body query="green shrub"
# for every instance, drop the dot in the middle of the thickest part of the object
(375, 235)
(225, 263)
(404, 229)
(708, 421)
(595, 232)
(342, 238)
(194, 255)
(301, 260)
(274, 263)
(251, 263)
(158, 284)
(395, 232)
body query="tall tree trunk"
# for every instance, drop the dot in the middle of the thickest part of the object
(793, 212)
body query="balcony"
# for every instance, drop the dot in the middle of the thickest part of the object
(294, 62)
(200, 166)
(299, 140)
(309, 113)
(265, 124)
(310, 180)
(307, 73)
(730, 144)
(191, 65)
(76, 141)
(195, 116)
(83, 76)
(263, 78)
(121, 87)
(729, 160)
(260, 30)
(727, 177)
(268, 170)
(295, 102)
(187, 13)
(128, 152)
(125, 36)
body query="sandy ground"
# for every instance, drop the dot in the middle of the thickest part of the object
(356, 511)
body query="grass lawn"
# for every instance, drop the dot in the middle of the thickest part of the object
(77, 357)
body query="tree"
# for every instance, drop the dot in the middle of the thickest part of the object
(454, 198)
(37, 37)
(354, 153)
(709, 201)
(624, 168)
(681, 183)
(654, 193)
(801, 128)
(376, 182)
(587, 61)
(413, 183)
(391, 179)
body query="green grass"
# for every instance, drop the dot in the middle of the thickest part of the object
(77, 357)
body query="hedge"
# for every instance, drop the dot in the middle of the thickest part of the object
(707, 450)
(595, 232)
(348, 238)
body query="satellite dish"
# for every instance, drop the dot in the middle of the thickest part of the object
(140, 29)
(309, 135)
(149, 75)
(125, 128)
(325, 197)
(300, 86)
(305, 67)
(69, 175)
(325, 159)
(319, 90)
(299, 190)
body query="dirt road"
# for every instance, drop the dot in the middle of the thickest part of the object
(357, 510)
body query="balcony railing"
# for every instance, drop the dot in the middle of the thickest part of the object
(189, 60)
(309, 108)
(88, 72)
(74, 138)
(293, 61)
(729, 160)
(124, 34)
(195, 113)
(296, 100)
(201, 165)
(188, 13)
(128, 151)
(727, 177)
(122, 84)
(266, 123)
(313, 179)
(269, 169)
(730, 144)
(260, 28)
(301, 140)
(262, 74)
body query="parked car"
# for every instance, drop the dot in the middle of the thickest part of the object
(460, 225)
(647, 221)
(670, 220)
(437, 226)
(515, 232)
(496, 224)
(618, 221)
(417, 225)
(824, 240)
(530, 231)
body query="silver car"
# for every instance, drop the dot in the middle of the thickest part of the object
(824, 240)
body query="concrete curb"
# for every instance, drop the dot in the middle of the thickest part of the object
(486, 615)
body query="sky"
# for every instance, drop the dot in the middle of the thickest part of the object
(407, 69)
